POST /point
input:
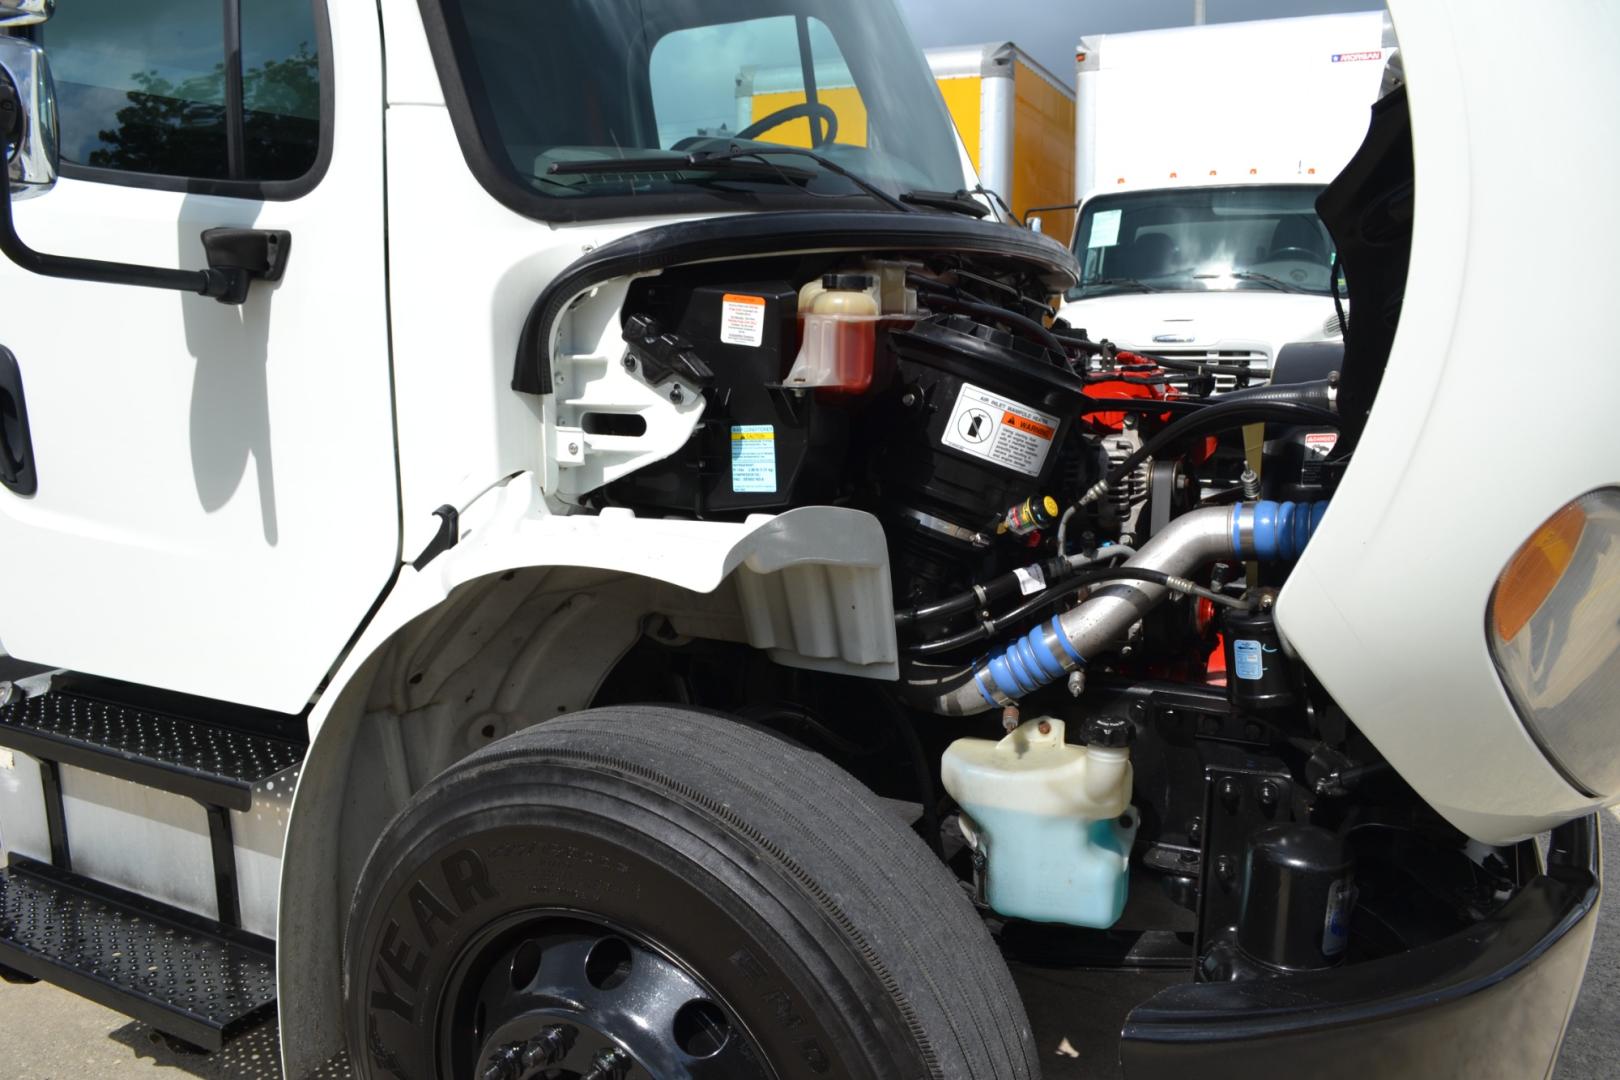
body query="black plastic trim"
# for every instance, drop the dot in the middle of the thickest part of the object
(17, 470)
(266, 190)
(778, 233)
(1487, 984)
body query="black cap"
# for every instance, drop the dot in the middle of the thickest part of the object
(1110, 731)
(852, 282)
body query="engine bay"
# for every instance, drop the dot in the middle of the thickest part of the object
(1098, 722)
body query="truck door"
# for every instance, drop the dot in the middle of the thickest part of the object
(215, 506)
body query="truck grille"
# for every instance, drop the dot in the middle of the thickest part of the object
(1256, 360)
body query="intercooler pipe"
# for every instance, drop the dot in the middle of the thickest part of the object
(1266, 531)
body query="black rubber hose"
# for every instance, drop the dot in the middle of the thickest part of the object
(1178, 363)
(1056, 593)
(1208, 420)
(1054, 569)
(1317, 393)
(941, 296)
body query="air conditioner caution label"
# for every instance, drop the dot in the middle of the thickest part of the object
(753, 458)
(1000, 430)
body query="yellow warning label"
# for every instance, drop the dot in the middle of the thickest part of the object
(738, 434)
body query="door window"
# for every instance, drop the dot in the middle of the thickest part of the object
(213, 90)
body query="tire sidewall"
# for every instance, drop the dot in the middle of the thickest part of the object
(516, 836)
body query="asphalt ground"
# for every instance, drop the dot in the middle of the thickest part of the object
(49, 1034)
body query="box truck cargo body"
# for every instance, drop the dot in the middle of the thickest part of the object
(1199, 155)
(1016, 119)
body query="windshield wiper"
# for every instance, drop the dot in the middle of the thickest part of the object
(1255, 275)
(679, 163)
(733, 160)
(960, 202)
(1125, 282)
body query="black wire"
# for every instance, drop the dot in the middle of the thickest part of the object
(945, 296)
(1051, 595)
(1333, 287)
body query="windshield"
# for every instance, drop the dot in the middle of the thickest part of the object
(557, 84)
(1257, 237)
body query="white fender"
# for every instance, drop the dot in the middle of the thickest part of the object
(811, 587)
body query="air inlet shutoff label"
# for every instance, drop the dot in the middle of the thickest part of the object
(1000, 430)
(742, 320)
(753, 458)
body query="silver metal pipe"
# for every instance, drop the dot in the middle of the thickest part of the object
(1102, 622)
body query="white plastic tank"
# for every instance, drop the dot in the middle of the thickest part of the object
(1052, 821)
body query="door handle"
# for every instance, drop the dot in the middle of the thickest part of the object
(16, 444)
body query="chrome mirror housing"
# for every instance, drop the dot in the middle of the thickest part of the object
(25, 12)
(27, 109)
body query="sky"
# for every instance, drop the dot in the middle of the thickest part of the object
(1049, 29)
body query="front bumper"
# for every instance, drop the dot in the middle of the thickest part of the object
(1491, 1001)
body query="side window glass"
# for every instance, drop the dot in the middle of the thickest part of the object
(146, 87)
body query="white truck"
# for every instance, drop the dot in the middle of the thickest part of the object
(522, 585)
(1199, 155)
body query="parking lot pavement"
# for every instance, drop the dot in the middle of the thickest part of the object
(48, 1034)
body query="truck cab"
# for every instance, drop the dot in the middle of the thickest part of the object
(517, 566)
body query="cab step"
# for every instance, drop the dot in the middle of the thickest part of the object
(215, 765)
(187, 976)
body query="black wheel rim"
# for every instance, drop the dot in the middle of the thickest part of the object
(565, 996)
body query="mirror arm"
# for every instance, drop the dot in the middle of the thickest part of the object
(227, 279)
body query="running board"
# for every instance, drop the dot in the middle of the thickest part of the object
(185, 975)
(215, 765)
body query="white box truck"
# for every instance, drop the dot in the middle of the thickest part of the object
(1199, 155)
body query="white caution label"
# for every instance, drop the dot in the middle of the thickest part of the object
(1000, 430)
(742, 320)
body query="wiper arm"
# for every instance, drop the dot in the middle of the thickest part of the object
(680, 163)
(703, 159)
(1127, 282)
(1255, 275)
(960, 202)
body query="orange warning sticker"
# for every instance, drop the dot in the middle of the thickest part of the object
(742, 319)
(1025, 424)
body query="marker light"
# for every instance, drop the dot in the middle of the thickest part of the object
(1554, 631)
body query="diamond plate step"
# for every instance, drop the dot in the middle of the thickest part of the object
(217, 765)
(181, 973)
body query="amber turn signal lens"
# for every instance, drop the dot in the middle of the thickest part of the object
(1535, 568)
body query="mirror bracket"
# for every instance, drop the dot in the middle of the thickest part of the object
(236, 257)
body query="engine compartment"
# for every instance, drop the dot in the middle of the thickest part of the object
(1098, 722)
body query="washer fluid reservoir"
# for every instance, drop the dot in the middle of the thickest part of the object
(1050, 824)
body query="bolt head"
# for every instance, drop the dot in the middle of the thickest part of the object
(1268, 794)
(629, 363)
(573, 448)
(1230, 792)
(675, 395)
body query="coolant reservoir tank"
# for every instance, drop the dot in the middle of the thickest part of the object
(1050, 823)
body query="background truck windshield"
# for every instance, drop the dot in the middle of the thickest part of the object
(571, 81)
(1253, 237)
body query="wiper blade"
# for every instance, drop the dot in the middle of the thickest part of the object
(1255, 275)
(1124, 282)
(960, 202)
(703, 159)
(679, 163)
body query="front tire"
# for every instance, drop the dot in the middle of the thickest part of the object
(671, 894)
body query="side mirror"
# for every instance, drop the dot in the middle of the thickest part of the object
(27, 108)
(25, 12)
